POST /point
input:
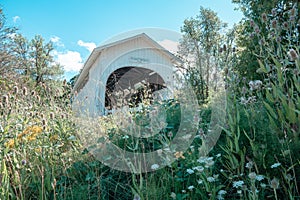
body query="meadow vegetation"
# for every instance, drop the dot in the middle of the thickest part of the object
(256, 157)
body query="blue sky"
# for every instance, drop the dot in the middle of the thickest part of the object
(77, 26)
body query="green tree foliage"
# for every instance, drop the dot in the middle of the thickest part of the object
(6, 55)
(200, 43)
(278, 14)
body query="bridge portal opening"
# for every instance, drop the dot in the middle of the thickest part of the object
(129, 86)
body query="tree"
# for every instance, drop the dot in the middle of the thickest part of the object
(200, 42)
(43, 66)
(258, 12)
(6, 55)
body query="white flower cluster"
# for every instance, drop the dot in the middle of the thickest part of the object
(255, 85)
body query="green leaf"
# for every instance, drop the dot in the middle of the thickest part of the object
(261, 68)
(270, 110)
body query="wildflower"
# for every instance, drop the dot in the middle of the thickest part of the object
(200, 181)
(233, 49)
(274, 12)
(220, 194)
(1, 129)
(51, 115)
(23, 162)
(278, 39)
(239, 191)
(285, 25)
(24, 91)
(179, 154)
(53, 137)
(255, 85)
(292, 55)
(170, 134)
(224, 47)
(252, 23)
(274, 24)
(252, 175)
(263, 185)
(243, 100)
(209, 163)
(173, 195)
(259, 177)
(183, 191)
(10, 144)
(38, 150)
(38, 98)
(125, 137)
(293, 12)
(210, 179)
(288, 177)
(16, 89)
(5, 100)
(256, 29)
(218, 155)
(136, 197)
(154, 166)
(190, 171)
(237, 184)
(191, 187)
(264, 17)
(275, 165)
(225, 70)
(199, 168)
(274, 183)
(44, 122)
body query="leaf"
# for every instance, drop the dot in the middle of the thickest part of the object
(261, 68)
(270, 110)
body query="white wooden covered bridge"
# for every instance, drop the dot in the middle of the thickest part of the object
(121, 67)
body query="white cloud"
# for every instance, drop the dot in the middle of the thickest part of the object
(170, 45)
(16, 18)
(56, 41)
(70, 60)
(88, 45)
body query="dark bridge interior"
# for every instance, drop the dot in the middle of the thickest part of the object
(130, 85)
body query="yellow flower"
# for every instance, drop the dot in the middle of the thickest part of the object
(53, 137)
(32, 131)
(36, 129)
(10, 143)
(179, 154)
(38, 150)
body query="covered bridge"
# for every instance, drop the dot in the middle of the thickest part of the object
(122, 67)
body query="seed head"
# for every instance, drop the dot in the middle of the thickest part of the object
(16, 89)
(274, 183)
(24, 91)
(44, 122)
(51, 115)
(5, 100)
(224, 47)
(264, 17)
(274, 12)
(285, 25)
(293, 55)
(252, 175)
(38, 98)
(274, 24)
(256, 29)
